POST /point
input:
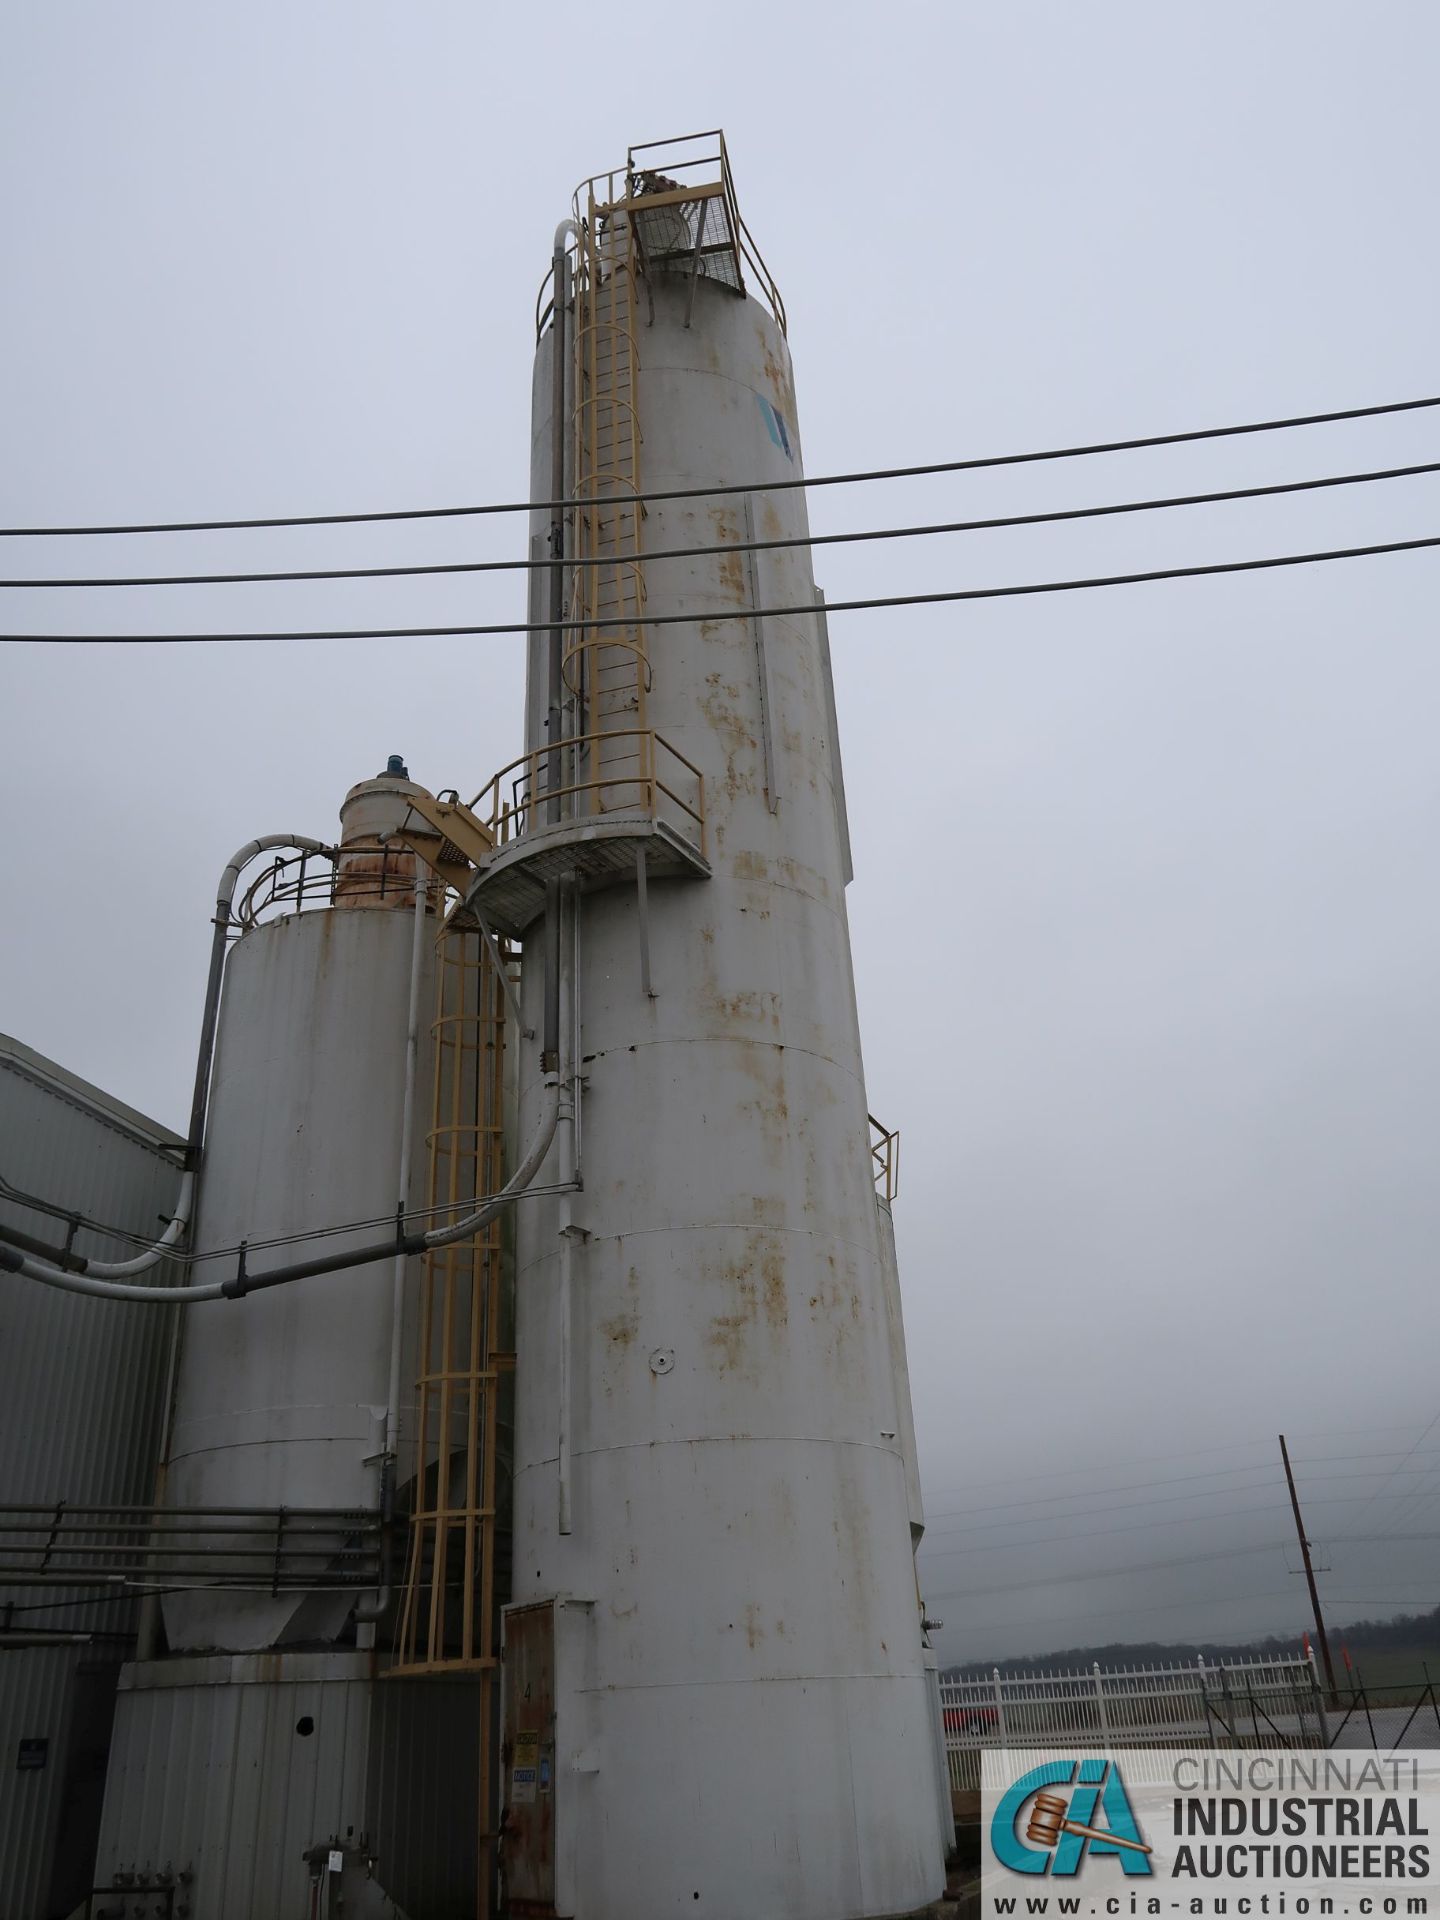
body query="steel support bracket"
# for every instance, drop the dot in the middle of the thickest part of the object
(453, 841)
(237, 1288)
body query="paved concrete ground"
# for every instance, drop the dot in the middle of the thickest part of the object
(962, 1897)
(1387, 1728)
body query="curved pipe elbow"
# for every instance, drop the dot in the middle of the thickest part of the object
(102, 1289)
(152, 1256)
(522, 1177)
(241, 858)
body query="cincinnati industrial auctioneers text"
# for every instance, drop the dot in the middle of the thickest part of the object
(1352, 1819)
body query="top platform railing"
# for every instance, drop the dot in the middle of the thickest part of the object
(646, 776)
(356, 876)
(688, 178)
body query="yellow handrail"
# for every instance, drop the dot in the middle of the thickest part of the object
(509, 800)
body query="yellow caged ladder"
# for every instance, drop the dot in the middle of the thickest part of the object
(457, 1569)
(607, 668)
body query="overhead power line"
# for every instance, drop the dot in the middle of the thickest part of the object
(1089, 1472)
(1111, 1613)
(947, 1529)
(1067, 1498)
(726, 547)
(1134, 1486)
(727, 613)
(1413, 1502)
(767, 486)
(1424, 1436)
(1152, 1566)
(1047, 1542)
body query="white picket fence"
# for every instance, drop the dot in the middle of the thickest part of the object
(1243, 1703)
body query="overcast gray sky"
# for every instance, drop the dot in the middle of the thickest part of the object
(1145, 918)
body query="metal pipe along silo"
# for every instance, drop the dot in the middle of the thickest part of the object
(715, 1687)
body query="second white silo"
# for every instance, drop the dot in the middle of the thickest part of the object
(281, 1397)
(715, 1686)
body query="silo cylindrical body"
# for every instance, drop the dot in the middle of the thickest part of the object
(281, 1397)
(741, 1725)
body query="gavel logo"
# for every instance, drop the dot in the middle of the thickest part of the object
(1047, 1822)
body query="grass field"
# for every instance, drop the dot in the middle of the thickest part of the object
(1387, 1666)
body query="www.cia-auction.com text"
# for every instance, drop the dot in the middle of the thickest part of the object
(1286, 1834)
(1131, 1906)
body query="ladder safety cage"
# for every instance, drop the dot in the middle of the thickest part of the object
(607, 670)
(447, 1616)
(457, 1564)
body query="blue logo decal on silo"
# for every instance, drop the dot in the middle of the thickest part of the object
(779, 433)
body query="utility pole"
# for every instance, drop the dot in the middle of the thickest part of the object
(1309, 1570)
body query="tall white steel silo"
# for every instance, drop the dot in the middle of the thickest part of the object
(715, 1688)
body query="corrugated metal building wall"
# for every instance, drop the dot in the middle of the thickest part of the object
(81, 1384)
(252, 1759)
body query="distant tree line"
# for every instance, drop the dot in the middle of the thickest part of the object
(1418, 1630)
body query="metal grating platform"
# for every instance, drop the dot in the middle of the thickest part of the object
(681, 233)
(509, 888)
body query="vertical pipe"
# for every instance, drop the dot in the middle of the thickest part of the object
(565, 1145)
(407, 1152)
(390, 1440)
(767, 738)
(577, 1051)
(473, 1522)
(642, 917)
(485, 1838)
(477, 1440)
(550, 1030)
(208, 1023)
(147, 1625)
(494, 1177)
(419, 1511)
(453, 1255)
